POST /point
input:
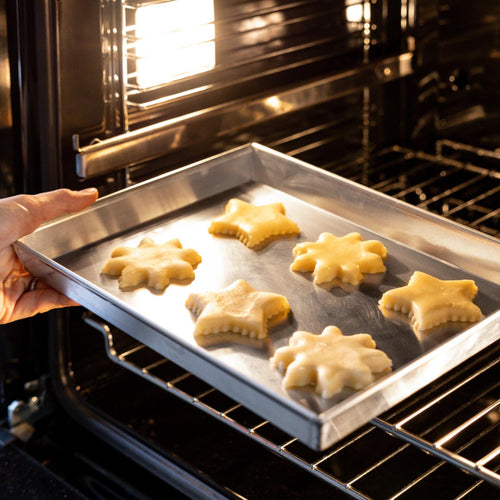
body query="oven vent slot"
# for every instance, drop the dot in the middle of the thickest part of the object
(453, 423)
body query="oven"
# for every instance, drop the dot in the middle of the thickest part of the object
(398, 97)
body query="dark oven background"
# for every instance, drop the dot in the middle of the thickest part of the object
(400, 96)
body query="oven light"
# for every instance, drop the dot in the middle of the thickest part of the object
(174, 39)
(358, 12)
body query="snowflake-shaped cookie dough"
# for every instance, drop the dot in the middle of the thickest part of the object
(151, 264)
(345, 258)
(429, 301)
(252, 224)
(330, 361)
(237, 308)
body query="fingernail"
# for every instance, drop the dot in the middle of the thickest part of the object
(90, 190)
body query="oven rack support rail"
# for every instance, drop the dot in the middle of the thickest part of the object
(162, 138)
(397, 423)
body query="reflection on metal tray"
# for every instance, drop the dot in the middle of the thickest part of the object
(69, 253)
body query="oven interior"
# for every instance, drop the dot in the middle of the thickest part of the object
(399, 96)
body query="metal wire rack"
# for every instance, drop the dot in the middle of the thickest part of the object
(454, 423)
(463, 186)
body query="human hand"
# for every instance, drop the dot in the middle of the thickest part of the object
(21, 296)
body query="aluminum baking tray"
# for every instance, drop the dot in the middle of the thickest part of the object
(69, 252)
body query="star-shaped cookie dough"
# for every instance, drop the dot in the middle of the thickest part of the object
(237, 308)
(252, 224)
(429, 301)
(151, 264)
(345, 258)
(330, 361)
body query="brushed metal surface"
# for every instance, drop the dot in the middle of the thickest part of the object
(69, 253)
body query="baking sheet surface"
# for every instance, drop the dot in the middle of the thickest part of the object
(352, 309)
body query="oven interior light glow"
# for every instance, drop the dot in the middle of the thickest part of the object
(174, 39)
(357, 13)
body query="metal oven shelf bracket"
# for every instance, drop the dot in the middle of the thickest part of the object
(154, 141)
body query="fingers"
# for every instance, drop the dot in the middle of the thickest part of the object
(19, 216)
(40, 300)
(22, 214)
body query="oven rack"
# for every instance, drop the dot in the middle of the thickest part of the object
(460, 182)
(463, 437)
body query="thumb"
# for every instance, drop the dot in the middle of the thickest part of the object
(22, 214)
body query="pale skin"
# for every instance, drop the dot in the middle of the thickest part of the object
(21, 215)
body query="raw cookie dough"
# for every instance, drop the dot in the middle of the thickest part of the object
(330, 361)
(252, 224)
(345, 258)
(237, 308)
(429, 301)
(151, 264)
